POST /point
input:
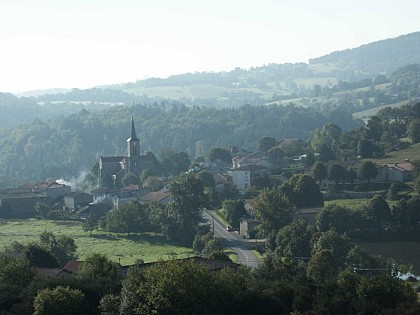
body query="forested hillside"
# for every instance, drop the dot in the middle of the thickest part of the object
(70, 145)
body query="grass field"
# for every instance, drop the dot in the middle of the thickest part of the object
(373, 111)
(412, 153)
(348, 203)
(116, 246)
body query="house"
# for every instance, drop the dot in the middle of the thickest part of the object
(307, 214)
(53, 189)
(395, 172)
(77, 200)
(96, 209)
(242, 177)
(246, 225)
(163, 196)
(20, 205)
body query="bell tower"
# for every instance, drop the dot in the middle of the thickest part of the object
(133, 142)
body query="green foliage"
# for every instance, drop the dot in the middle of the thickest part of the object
(15, 273)
(265, 143)
(272, 209)
(294, 240)
(336, 217)
(97, 268)
(219, 154)
(322, 266)
(367, 171)
(319, 172)
(336, 173)
(90, 223)
(62, 247)
(234, 211)
(60, 301)
(173, 163)
(128, 218)
(152, 291)
(330, 240)
(302, 191)
(413, 130)
(42, 209)
(183, 213)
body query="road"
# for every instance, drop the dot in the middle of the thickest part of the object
(234, 241)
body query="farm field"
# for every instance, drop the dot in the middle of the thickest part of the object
(116, 246)
(412, 153)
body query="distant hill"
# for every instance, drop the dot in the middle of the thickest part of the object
(384, 56)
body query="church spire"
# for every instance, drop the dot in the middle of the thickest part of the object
(133, 131)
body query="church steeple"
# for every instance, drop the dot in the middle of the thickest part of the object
(133, 131)
(133, 142)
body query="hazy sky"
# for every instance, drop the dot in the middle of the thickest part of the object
(82, 43)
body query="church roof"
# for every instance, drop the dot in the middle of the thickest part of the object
(112, 159)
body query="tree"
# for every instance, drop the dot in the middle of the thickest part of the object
(294, 240)
(319, 172)
(322, 266)
(413, 130)
(62, 247)
(187, 191)
(272, 209)
(365, 149)
(15, 273)
(128, 218)
(152, 291)
(276, 154)
(98, 267)
(207, 178)
(338, 245)
(368, 171)
(336, 173)
(333, 216)
(90, 223)
(38, 256)
(265, 143)
(42, 209)
(302, 191)
(220, 154)
(174, 163)
(60, 301)
(234, 211)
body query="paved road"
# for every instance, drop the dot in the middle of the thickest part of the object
(235, 242)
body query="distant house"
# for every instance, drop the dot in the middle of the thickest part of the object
(76, 200)
(98, 210)
(307, 214)
(395, 172)
(53, 189)
(164, 197)
(246, 225)
(242, 177)
(20, 205)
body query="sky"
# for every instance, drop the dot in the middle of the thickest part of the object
(84, 43)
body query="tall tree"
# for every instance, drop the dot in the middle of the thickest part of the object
(368, 171)
(319, 172)
(272, 209)
(187, 191)
(60, 301)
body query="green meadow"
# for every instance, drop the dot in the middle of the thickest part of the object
(118, 247)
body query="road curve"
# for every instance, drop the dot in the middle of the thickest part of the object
(234, 241)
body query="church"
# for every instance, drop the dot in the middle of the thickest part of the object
(112, 169)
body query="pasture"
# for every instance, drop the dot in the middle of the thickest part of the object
(116, 246)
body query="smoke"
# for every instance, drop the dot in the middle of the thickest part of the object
(80, 183)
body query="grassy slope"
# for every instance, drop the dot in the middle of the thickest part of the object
(118, 247)
(412, 153)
